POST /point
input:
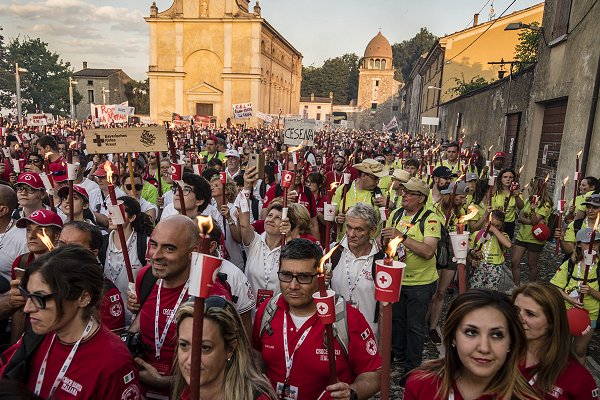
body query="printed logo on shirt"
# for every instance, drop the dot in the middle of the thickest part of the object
(71, 387)
(116, 310)
(128, 378)
(114, 298)
(365, 334)
(167, 311)
(556, 392)
(372, 346)
(595, 393)
(131, 393)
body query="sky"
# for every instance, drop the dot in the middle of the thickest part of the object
(113, 34)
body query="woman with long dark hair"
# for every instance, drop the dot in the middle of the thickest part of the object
(504, 200)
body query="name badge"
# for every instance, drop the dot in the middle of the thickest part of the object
(287, 392)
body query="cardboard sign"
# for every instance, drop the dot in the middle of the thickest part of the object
(299, 132)
(126, 140)
(264, 117)
(243, 110)
(37, 119)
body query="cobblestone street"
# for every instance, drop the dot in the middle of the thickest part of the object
(548, 264)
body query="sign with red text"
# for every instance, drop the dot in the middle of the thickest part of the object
(243, 110)
(111, 113)
(39, 119)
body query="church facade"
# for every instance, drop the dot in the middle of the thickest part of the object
(207, 55)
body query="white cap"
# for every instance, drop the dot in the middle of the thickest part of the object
(232, 153)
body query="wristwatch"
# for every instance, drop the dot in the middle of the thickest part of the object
(353, 394)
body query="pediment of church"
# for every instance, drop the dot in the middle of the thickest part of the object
(204, 88)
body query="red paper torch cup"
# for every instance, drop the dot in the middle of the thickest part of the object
(177, 171)
(388, 281)
(325, 306)
(203, 273)
(287, 177)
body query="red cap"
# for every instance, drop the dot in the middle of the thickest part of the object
(31, 179)
(213, 138)
(59, 171)
(102, 172)
(500, 154)
(41, 217)
(63, 192)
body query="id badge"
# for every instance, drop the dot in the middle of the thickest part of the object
(287, 392)
(262, 295)
(401, 252)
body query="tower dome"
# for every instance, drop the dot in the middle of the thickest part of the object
(378, 47)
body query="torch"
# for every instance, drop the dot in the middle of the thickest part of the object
(577, 178)
(589, 255)
(117, 215)
(325, 303)
(202, 270)
(71, 175)
(47, 182)
(460, 246)
(173, 154)
(287, 177)
(329, 214)
(388, 283)
(561, 210)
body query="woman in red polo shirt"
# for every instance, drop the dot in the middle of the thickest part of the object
(549, 365)
(226, 355)
(484, 343)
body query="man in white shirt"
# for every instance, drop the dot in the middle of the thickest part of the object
(13, 240)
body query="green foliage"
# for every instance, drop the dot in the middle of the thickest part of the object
(338, 75)
(138, 95)
(407, 53)
(463, 87)
(527, 48)
(45, 85)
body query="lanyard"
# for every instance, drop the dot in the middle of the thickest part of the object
(356, 195)
(289, 360)
(271, 264)
(158, 342)
(358, 273)
(65, 366)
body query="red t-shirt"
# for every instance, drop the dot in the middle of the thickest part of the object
(17, 262)
(111, 307)
(102, 368)
(185, 395)
(420, 387)
(574, 383)
(302, 199)
(310, 369)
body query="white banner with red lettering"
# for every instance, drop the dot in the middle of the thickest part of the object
(112, 113)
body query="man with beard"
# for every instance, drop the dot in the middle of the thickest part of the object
(442, 177)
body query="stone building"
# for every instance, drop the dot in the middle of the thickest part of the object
(317, 108)
(206, 55)
(98, 86)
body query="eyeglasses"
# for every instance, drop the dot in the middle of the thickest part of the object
(25, 188)
(303, 279)
(38, 300)
(34, 161)
(151, 156)
(186, 190)
(138, 186)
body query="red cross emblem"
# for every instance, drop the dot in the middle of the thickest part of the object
(463, 243)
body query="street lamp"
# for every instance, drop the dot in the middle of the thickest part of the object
(18, 83)
(72, 107)
(515, 26)
(104, 91)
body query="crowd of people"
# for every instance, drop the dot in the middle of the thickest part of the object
(75, 325)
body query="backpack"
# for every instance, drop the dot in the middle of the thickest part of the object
(335, 259)
(570, 269)
(340, 326)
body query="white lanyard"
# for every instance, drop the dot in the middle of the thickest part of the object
(289, 360)
(158, 342)
(356, 195)
(115, 271)
(271, 264)
(65, 366)
(358, 273)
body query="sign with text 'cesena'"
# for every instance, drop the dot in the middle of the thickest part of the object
(299, 132)
(126, 140)
(243, 110)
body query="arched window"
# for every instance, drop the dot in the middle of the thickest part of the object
(371, 63)
(377, 64)
(383, 64)
(262, 45)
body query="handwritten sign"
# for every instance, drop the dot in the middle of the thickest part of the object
(112, 113)
(126, 140)
(264, 117)
(37, 119)
(243, 110)
(299, 132)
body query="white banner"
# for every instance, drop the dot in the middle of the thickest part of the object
(243, 110)
(435, 121)
(112, 113)
(392, 125)
(299, 132)
(264, 117)
(37, 119)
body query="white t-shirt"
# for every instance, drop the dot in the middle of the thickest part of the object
(114, 265)
(234, 249)
(262, 265)
(240, 287)
(361, 290)
(210, 210)
(98, 197)
(88, 185)
(13, 243)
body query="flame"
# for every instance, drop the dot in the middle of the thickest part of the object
(472, 213)
(293, 149)
(520, 170)
(16, 147)
(597, 221)
(72, 144)
(45, 239)
(490, 148)
(109, 172)
(48, 154)
(565, 181)
(205, 224)
(579, 154)
(393, 246)
(326, 257)
(333, 185)
(547, 177)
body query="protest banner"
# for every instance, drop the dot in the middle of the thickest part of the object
(265, 117)
(111, 113)
(243, 110)
(299, 132)
(125, 140)
(38, 119)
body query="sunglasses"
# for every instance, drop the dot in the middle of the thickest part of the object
(138, 186)
(303, 279)
(34, 160)
(38, 300)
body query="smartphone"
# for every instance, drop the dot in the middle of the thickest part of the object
(19, 272)
(258, 160)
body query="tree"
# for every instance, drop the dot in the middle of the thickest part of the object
(527, 47)
(338, 75)
(463, 87)
(45, 85)
(138, 95)
(407, 53)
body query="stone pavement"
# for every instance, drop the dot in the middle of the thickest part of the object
(547, 264)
